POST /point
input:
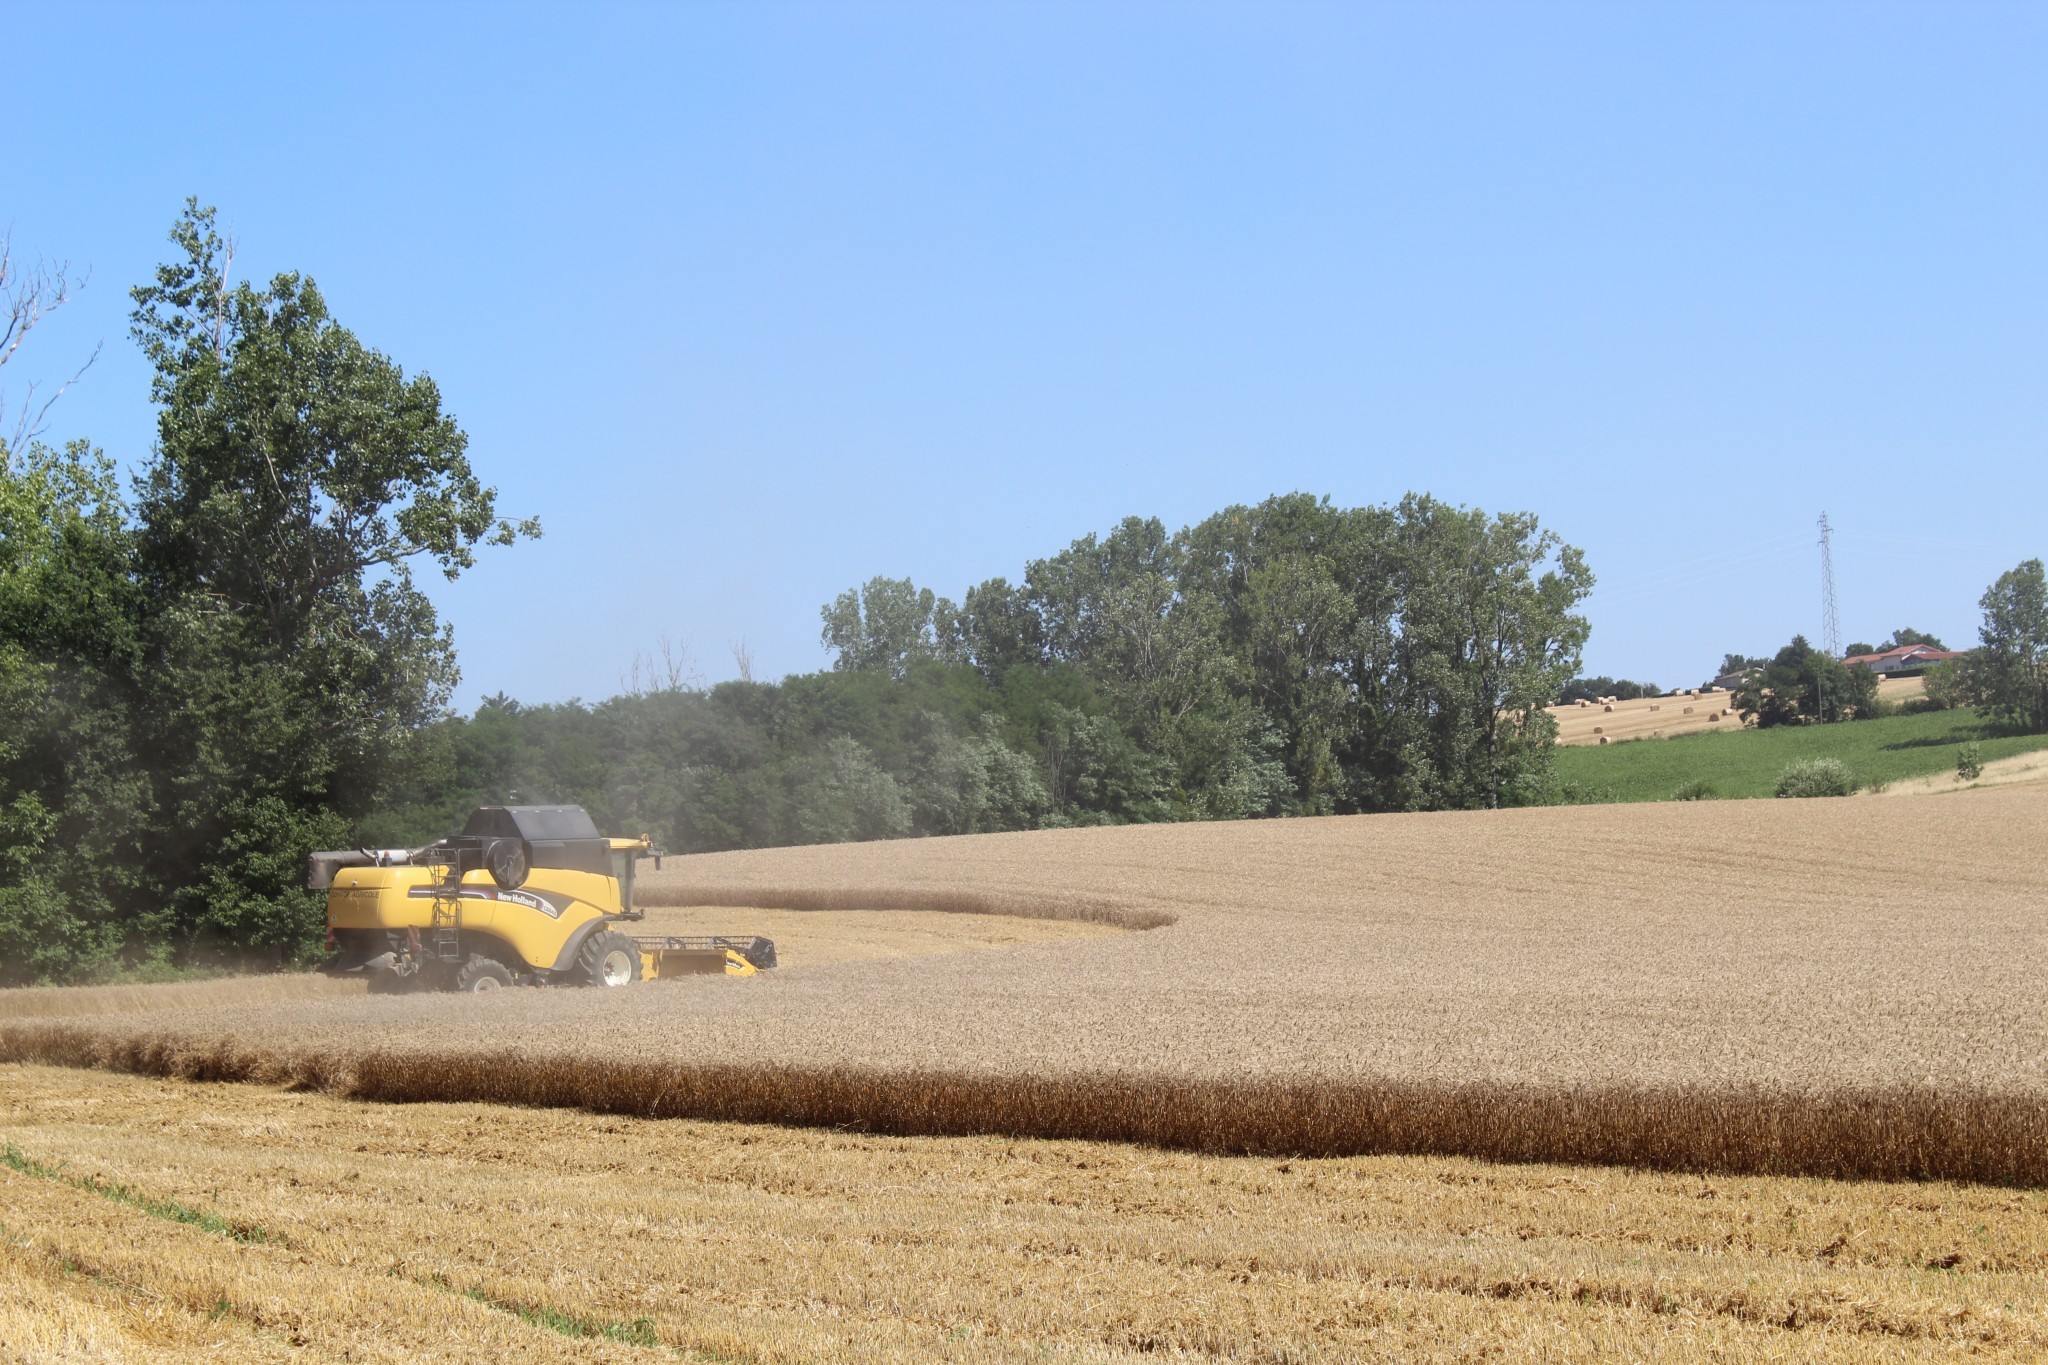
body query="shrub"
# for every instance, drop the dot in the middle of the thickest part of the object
(1699, 789)
(1816, 777)
(1947, 687)
(1969, 762)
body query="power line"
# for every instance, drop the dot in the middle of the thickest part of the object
(1663, 587)
(1689, 572)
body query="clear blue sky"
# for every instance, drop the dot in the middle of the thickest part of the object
(752, 302)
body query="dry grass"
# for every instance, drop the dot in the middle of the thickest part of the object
(1702, 987)
(2029, 769)
(427, 1231)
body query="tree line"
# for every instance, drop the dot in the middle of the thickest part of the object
(226, 662)
(1288, 658)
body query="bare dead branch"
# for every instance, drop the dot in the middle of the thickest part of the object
(27, 296)
(677, 674)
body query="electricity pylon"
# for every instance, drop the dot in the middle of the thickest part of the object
(1830, 621)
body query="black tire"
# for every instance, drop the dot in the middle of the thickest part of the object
(482, 973)
(608, 958)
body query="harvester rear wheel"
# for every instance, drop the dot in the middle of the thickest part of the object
(482, 973)
(609, 959)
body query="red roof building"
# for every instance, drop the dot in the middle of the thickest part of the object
(1904, 657)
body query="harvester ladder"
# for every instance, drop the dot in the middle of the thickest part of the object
(445, 939)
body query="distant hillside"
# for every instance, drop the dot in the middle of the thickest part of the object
(1670, 717)
(1737, 762)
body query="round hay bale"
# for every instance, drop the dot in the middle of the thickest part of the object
(1603, 739)
(1599, 729)
(1608, 707)
(1713, 715)
(1688, 710)
(1655, 707)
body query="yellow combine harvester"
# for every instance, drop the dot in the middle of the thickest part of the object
(525, 895)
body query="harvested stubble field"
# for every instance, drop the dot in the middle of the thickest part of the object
(1669, 717)
(1843, 988)
(217, 1222)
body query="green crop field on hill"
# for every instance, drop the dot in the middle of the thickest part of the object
(1741, 763)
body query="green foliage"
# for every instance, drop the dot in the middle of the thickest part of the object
(2009, 670)
(1904, 635)
(1816, 777)
(1593, 689)
(842, 796)
(818, 758)
(1803, 685)
(1970, 762)
(1746, 763)
(1288, 658)
(1699, 789)
(889, 625)
(230, 672)
(73, 804)
(1948, 686)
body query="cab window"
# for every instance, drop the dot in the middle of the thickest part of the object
(623, 864)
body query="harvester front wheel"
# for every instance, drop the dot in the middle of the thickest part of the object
(482, 973)
(609, 959)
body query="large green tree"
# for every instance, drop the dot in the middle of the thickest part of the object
(298, 478)
(889, 624)
(1488, 637)
(2009, 670)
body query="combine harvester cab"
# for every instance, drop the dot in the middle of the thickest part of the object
(525, 895)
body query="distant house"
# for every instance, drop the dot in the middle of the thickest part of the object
(1904, 657)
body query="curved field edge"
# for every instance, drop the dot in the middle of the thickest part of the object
(904, 898)
(1897, 1133)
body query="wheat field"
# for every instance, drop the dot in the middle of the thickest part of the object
(1838, 988)
(175, 1221)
